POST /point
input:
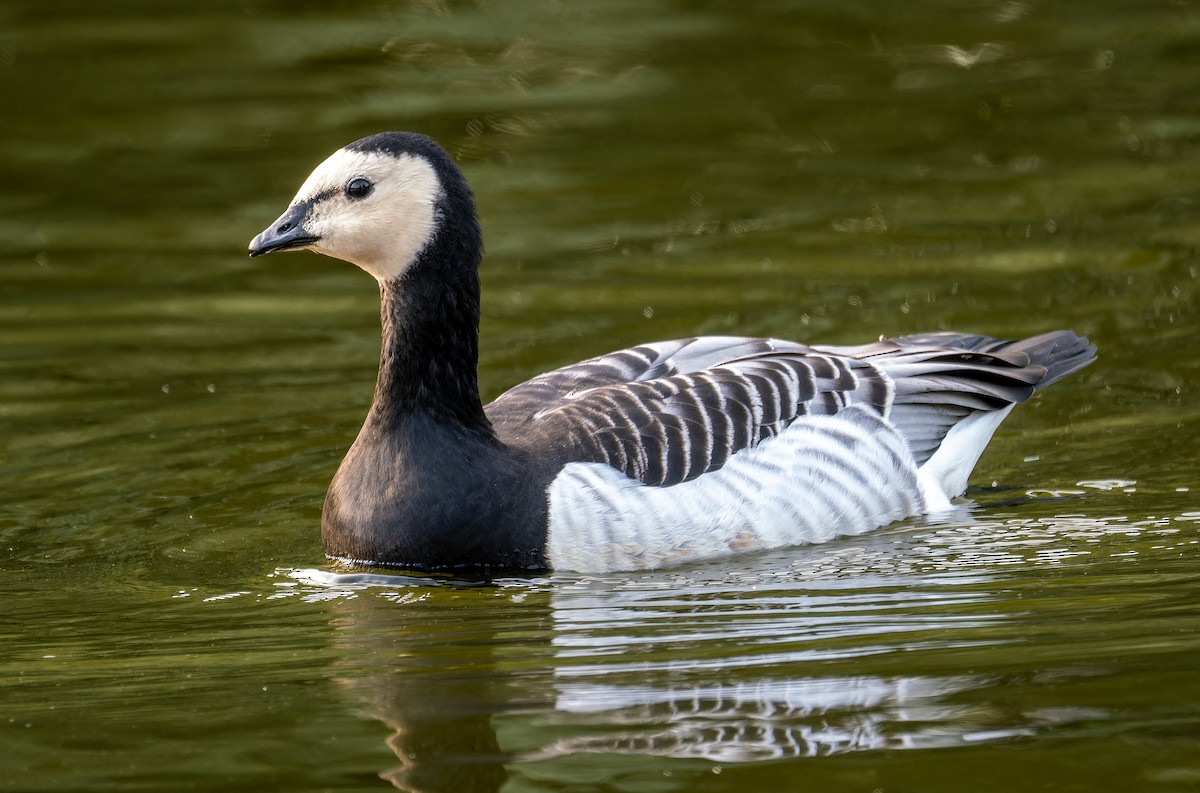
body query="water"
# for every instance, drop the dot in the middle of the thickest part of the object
(171, 412)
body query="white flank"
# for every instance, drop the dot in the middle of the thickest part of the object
(944, 475)
(822, 477)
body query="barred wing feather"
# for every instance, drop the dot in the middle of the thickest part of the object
(667, 412)
(941, 378)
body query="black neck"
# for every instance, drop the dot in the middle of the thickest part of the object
(427, 364)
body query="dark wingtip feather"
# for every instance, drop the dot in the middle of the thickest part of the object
(1060, 352)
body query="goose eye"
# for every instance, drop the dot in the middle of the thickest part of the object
(358, 188)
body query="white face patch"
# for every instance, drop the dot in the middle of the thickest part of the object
(384, 232)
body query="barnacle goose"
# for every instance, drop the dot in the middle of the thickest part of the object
(654, 455)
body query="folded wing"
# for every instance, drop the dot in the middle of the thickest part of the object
(669, 412)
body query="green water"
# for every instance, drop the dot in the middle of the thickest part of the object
(171, 412)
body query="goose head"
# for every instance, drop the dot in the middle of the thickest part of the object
(378, 203)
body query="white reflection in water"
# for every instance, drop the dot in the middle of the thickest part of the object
(769, 719)
(621, 664)
(909, 638)
(742, 667)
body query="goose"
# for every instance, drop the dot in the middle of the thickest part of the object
(660, 454)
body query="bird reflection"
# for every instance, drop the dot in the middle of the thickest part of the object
(764, 719)
(428, 673)
(479, 683)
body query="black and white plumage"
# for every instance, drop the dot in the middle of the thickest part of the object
(658, 454)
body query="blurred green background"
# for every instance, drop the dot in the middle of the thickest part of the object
(171, 412)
